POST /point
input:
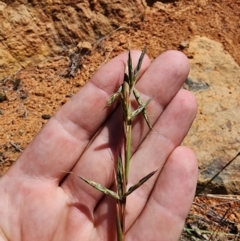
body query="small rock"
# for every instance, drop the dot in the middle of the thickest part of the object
(3, 97)
(84, 46)
(184, 44)
(46, 116)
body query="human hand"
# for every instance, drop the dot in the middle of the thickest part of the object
(40, 201)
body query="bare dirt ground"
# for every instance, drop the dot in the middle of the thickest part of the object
(31, 96)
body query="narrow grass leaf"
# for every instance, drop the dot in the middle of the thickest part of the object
(129, 71)
(145, 115)
(140, 109)
(114, 96)
(136, 71)
(100, 188)
(140, 183)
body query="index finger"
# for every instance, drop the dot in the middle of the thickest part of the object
(62, 140)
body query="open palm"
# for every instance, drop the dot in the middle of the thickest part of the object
(40, 201)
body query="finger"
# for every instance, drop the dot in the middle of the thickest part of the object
(166, 210)
(168, 133)
(62, 140)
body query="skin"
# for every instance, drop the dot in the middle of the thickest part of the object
(40, 201)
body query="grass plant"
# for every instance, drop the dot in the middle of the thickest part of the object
(124, 93)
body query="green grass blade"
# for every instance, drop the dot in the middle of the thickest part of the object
(140, 109)
(115, 96)
(136, 71)
(131, 79)
(140, 183)
(145, 115)
(100, 188)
